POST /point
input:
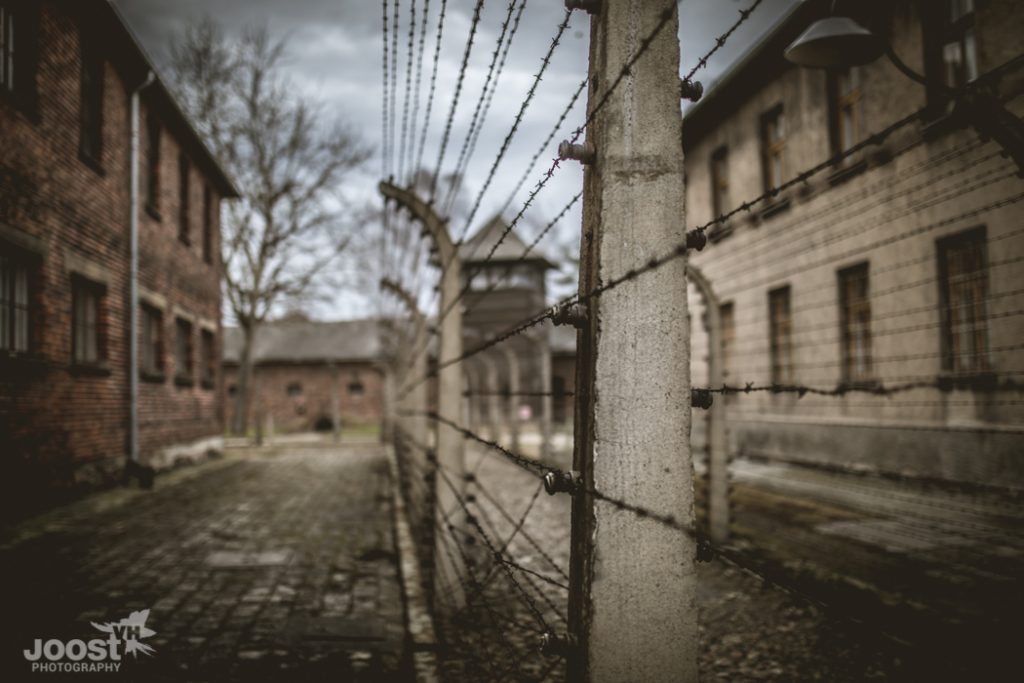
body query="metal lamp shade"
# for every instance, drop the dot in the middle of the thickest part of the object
(835, 42)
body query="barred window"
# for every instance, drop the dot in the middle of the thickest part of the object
(780, 331)
(855, 323)
(963, 273)
(86, 303)
(14, 304)
(847, 108)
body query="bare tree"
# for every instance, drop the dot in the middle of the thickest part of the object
(291, 224)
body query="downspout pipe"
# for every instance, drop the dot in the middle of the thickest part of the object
(144, 474)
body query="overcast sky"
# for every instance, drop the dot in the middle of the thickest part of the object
(334, 54)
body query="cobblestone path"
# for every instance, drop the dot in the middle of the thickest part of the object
(272, 565)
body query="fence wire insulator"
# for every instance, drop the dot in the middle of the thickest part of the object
(705, 551)
(556, 481)
(557, 644)
(570, 314)
(696, 240)
(690, 90)
(583, 153)
(588, 6)
(701, 398)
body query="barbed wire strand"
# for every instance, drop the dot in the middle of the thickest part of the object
(459, 80)
(483, 104)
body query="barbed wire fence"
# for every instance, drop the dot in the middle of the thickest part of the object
(510, 602)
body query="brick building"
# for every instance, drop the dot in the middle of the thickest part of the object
(903, 263)
(67, 71)
(307, 375)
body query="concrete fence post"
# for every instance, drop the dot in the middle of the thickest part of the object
(633, 609)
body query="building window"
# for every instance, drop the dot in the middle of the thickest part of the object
(233, 390)
(964, 280)
(91, 144)
(183, 351)
(19, 36)
(153, 164)
(959, 46)
(847, 108)
(152, 354)
(773, 144)
(183, 198)
(727, 321)
(294, 389)
(14, 305)
(86, 330)
(855, 323)
(207, 225)
(356, 388)
(720, 202)
(8, 57)
(207, 358)
(781, 335)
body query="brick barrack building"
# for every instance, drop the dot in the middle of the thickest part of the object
(67, 74)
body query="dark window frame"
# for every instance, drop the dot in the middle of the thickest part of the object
(207, 224)
(19, 55)
(977, 283)
(153, 141)
(82, 290)
(151, 356)
(184, 198)
(842, 101)
(771, 123)
(184, 372)
(207, 358)
(18, 268)
(294, 389)
(719, 172)
(780, 333)
(91, 101)
(855, 325)
(356, 388)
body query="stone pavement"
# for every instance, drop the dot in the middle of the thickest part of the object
(276, 564)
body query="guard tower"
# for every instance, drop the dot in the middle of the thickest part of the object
(504, 290)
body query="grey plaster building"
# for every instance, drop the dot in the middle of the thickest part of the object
(902, 263)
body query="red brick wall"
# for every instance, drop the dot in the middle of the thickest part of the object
(301, 412)
(54, 417)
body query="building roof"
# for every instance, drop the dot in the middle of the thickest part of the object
(476, 248)
(132, 61)
(763, 61)
(305, 341)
